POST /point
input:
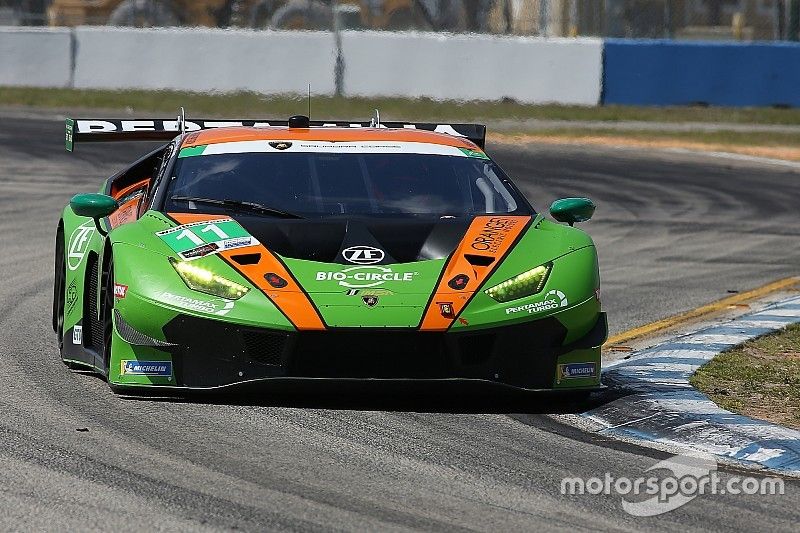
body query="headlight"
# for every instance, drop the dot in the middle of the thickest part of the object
(525, 284)
(200, 279)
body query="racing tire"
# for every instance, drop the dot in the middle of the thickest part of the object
(303, 15)
(59, 289)
(143, 14)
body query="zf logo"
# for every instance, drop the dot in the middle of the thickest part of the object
(78, 243)
(363, 255)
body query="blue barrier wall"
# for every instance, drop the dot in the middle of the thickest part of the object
(686, 73)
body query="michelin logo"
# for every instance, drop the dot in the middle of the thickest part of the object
(146, 368)
(554, 299)
(577, 370)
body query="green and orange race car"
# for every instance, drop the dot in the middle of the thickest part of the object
(244, 252)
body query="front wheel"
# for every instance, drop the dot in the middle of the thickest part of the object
(59, 282)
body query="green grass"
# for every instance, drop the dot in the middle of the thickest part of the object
(761, 378)
(251, 105)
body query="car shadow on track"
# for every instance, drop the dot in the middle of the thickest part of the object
(475, 398)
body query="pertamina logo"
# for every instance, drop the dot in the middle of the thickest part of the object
(363, 255)
(364, 277)
(78, 244)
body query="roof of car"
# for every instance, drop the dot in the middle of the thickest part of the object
(331, 134)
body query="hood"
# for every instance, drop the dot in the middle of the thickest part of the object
(358, 241)
(360, 273)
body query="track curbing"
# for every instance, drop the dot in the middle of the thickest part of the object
(662, 407)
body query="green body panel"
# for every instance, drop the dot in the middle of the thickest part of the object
(403, 291)
(155, 294)
(81, 241)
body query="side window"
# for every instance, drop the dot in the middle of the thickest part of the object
(131, 186)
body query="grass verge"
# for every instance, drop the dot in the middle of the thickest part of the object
(252, 105)
(760, 378)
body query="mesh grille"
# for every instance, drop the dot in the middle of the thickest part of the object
(95, 338)
(265, 348)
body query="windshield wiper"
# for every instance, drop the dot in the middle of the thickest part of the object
(239, 205)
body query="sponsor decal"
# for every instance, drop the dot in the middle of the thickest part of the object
(364, 277)
(77, 335)
(120, 290)
(458, 282)
(280, 145)
(199, 239)
(219, 307)
(577, 370)
(370, 301)
(239, 242)
(554, 299)
(493, 233)
(146, 368)
(200, 251)
(363, 255)
(79, 244)
(369, 292)
(469, 152)
(71, 298)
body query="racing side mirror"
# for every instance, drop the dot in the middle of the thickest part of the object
(572, 210)
(93, 205)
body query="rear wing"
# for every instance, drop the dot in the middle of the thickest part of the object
(102, 130)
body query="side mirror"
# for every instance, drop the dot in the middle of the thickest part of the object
(572, 210)
(94, 205)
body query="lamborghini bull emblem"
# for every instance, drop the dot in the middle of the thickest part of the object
(370, 301)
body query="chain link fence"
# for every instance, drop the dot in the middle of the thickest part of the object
(673, 19)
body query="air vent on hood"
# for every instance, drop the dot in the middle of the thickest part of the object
(247, 259)
(479, 260)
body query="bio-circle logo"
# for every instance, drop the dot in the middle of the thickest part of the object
(363, 255)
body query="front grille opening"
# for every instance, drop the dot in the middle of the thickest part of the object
(476, 349)
(396, 355)
(264, 348)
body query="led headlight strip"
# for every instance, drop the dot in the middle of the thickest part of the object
(526, 284)
(202, 280)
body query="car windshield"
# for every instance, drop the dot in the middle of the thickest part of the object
(313, 184)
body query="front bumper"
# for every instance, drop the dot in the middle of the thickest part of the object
(211, 354)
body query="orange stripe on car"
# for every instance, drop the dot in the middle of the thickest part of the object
(289, 298)
(486, 243)
(233, 134)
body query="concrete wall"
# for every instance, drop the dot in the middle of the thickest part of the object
(683, 73)
(35, 57)
(407, 64)
(469, 67)
(205, 60)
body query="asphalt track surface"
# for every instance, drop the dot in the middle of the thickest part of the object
(674, 231)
